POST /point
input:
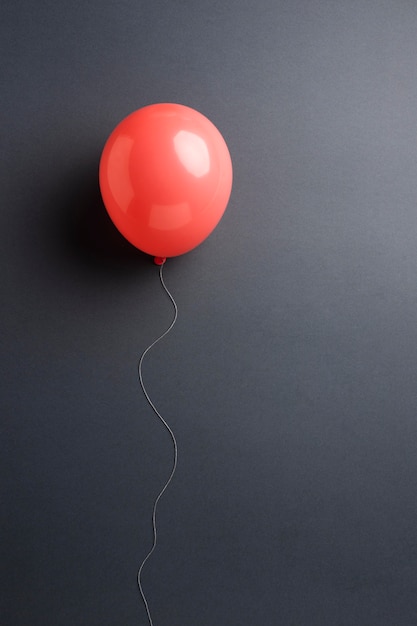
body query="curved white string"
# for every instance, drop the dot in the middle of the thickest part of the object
(174, 441)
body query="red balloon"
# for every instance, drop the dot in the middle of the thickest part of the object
(165, 178)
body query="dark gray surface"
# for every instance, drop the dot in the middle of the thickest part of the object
(290, 378)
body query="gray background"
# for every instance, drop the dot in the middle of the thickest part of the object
(290, 377)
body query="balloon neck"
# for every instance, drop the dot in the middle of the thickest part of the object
(159, 260)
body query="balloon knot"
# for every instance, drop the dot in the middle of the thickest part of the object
(159, 260)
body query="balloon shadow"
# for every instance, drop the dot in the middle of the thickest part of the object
(79, 231)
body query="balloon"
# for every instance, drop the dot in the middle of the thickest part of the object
(165, 178)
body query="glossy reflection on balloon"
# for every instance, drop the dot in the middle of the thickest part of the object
(165, 178)
(193, 153)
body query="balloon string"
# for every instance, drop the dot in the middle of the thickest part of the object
(174, 441)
